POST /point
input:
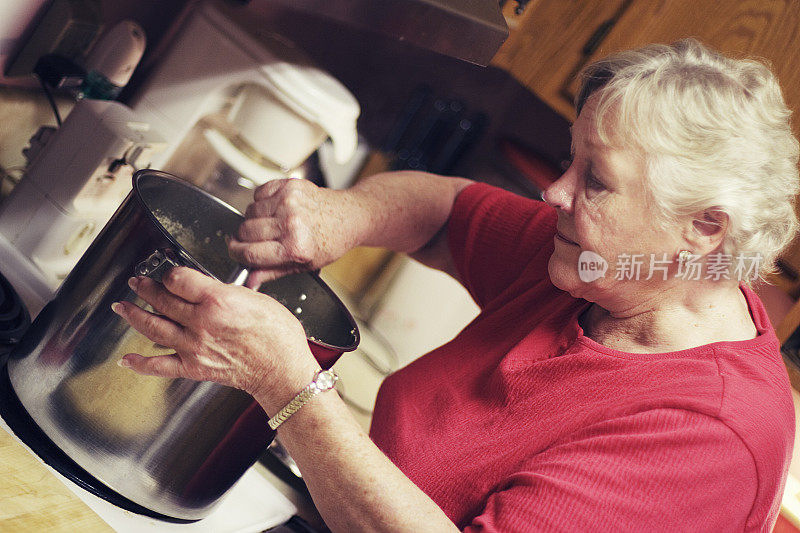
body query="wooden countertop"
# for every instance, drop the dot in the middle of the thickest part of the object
(32, 498)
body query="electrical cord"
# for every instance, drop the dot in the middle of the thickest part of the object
(392, 361)
(341, 389)
(49, 94)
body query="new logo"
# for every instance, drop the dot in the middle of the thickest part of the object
(591, 266)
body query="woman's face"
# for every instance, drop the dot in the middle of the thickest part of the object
(603, 207)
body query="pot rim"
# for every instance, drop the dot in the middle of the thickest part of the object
(343, 309)
(179, 249)
(187, 257)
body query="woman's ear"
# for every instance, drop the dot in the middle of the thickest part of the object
(707, 231)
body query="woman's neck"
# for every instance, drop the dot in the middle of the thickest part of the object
(673, 320)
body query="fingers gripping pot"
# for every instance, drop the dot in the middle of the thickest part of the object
(170, 447)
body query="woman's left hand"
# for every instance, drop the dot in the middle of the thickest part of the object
(223, 333)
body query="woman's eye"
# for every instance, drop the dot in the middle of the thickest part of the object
(593, 184)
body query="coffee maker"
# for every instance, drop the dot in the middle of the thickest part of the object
(240, 110)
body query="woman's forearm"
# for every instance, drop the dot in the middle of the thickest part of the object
(404, 210)
(293, 225)
(354, 486)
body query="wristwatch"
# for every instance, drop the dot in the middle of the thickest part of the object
(323, 380)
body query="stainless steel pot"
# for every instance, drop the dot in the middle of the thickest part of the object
(172, 446)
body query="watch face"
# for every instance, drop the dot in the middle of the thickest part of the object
(326, 380)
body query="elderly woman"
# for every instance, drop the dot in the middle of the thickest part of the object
(621, 376)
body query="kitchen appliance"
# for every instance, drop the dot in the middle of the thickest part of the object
(168, 448)
(76, 178)
(240, 111)
(112, 60)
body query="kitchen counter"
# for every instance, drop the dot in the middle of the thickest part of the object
(34, 497)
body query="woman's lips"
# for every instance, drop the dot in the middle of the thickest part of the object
(561, 237)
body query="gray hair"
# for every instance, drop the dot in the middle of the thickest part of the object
(715, 134)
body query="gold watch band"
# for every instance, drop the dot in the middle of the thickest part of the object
(323, 380)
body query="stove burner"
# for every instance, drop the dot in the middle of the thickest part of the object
(14, 317)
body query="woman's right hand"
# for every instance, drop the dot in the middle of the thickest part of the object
(293, 226)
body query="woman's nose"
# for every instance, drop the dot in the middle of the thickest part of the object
(561, 193)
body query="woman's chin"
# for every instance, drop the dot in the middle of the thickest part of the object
(567, 279)
(564, 277)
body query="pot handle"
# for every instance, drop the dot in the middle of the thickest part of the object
(160, 261)
(157, 264)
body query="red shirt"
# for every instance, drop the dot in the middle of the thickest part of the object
(521, 423)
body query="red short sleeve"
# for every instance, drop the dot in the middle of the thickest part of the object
(495, 236)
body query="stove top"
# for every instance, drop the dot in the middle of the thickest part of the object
(14, 317)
